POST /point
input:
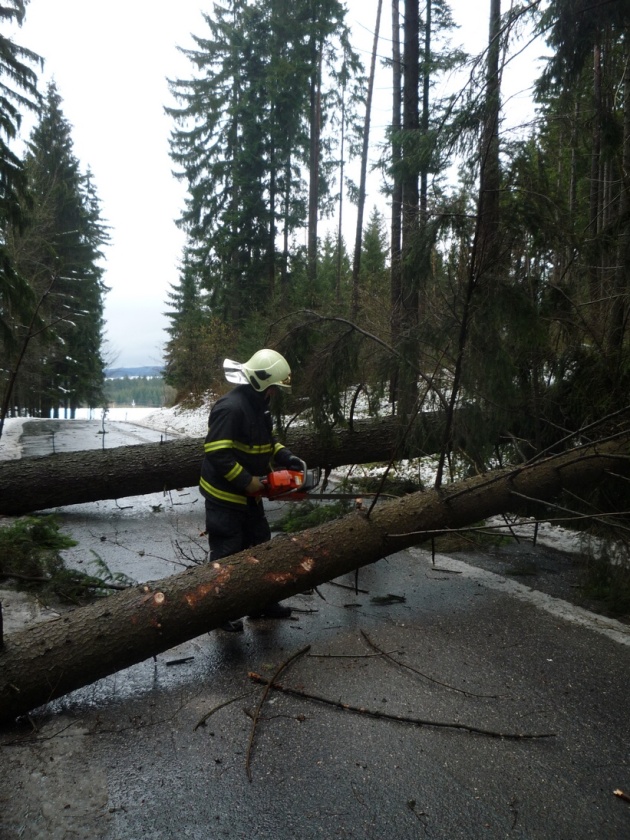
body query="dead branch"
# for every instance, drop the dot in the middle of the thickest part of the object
(203, 720)
(181, 661)
(261, 702)
(351, 588)
(349, 655)
(347, 707)
(406, 667)
(576, 514)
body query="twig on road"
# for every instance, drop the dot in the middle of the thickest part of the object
(270, 684)
(421, 673)
(361, 710)
(203, 720)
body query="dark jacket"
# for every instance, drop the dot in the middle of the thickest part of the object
(239, 444)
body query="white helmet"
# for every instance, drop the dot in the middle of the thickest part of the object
(265, 368)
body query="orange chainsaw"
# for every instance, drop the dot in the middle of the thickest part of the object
(298, 485)
(290, 485)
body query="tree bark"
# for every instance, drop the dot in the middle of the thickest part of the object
(408, 318)
(50, 659)
(70, 478)
(397, 195)
(317, 49)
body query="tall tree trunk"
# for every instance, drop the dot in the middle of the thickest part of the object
(486, 244)
(284, 279)
(595, 291)
(396, 221)
(358, 240)
(342, 163)
(424, 238)
(313, 189)
(408, 339)
(271, 236)
(490, 170)
(424, 124)
(50, 659)
(621, 284)
(233, 268)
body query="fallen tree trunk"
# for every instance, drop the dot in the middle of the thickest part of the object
(69, 478)
(51, 659)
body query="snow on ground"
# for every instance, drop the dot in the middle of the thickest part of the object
(183, 421)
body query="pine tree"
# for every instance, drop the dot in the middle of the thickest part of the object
(59, 252)
(589, 66)
(198, 341)
(374, 259)
(18, 94)
(245, 140)
(423, 137)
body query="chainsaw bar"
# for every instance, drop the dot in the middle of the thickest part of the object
(301, 496)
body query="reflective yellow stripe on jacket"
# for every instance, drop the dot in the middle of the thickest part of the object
(222, 494)
(216, 445)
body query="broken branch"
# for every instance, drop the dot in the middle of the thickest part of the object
(347, 707)
(420, 673)
(256, 715)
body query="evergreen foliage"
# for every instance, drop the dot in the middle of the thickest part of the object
(18, 94)
(511, 297)
(58, 252)
(30, 557)
(243, 142)
(505, 293)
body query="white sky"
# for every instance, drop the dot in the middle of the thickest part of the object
(110, 62)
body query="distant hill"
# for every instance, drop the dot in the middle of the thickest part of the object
(121, 373)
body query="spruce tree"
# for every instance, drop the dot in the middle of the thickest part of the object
(18, 95)
(198, 342)
(244, 141)
(374, 259)
(59, 252)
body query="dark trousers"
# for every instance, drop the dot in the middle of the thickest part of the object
(232, 530)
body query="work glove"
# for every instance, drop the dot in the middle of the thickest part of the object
(295, 463)
(254, 487)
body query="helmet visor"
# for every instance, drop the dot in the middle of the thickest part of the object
(234, 372)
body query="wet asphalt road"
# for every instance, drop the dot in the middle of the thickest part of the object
(128, 757)
(46, 437)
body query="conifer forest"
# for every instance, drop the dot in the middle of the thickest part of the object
(489, 280)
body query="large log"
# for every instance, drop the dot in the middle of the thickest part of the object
(48, 660)
(69, 478)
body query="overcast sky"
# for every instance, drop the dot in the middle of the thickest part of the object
(110, 62)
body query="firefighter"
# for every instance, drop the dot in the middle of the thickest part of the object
(240, 446)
